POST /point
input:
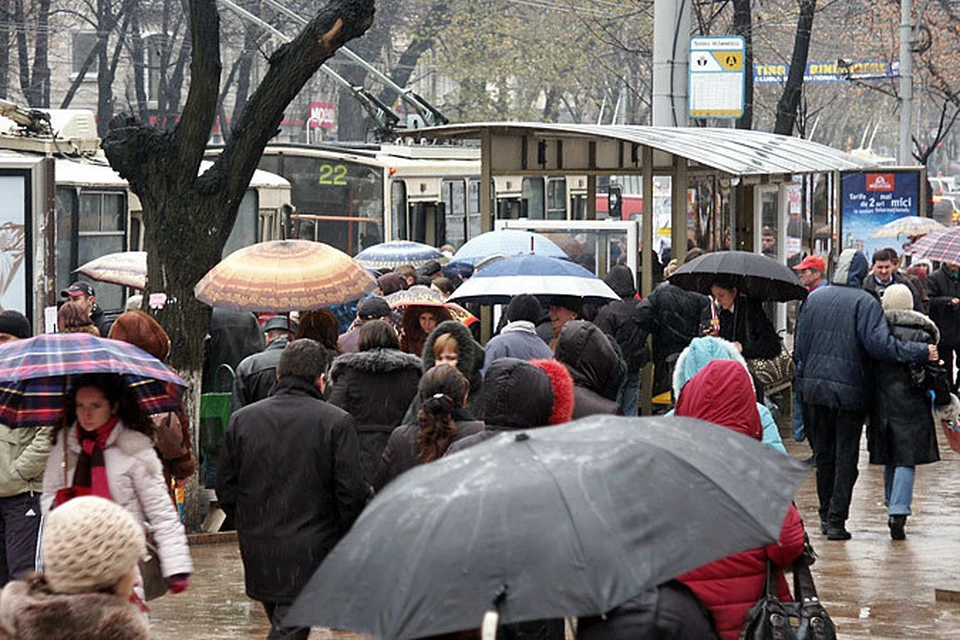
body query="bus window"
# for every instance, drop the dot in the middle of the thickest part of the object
(428, 223)
(398, 208)
(244, 232)
(473, 210)
(101, 226)
(556, 199)
(455, 201)
(578, 207)
(67, 203)
(306, 230)
(135, 237)
(533, 198)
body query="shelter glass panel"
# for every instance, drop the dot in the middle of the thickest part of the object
(533, 198)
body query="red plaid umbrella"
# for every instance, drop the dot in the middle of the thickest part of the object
(939, 246)
(36, 372)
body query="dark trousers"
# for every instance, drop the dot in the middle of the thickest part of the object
(277, 612)
(19, 529)
(835, 436)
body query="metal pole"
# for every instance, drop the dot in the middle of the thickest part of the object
(671, 59)
(904, 157)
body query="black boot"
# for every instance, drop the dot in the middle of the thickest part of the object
(897, 524)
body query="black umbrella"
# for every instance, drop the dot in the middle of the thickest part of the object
(754, 274)
(557, 521)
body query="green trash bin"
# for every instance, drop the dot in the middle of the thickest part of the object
(214, 415)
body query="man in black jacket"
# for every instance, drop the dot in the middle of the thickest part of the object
(289, 474)
(616, 319)
(943, 289)
(257, 374)
(883, 273)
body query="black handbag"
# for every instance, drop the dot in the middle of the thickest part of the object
(803, 619)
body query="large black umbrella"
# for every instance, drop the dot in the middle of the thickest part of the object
(550, 522)
(755, 275)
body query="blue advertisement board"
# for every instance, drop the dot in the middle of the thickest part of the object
(871, 199)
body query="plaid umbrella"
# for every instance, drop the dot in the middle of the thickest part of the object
(421, 296)
(939, 246)
(36, 372)
(389, 255)
(284, 275)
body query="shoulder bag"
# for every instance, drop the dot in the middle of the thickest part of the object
(803, 619)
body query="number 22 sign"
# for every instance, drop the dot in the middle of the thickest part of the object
(333, 174)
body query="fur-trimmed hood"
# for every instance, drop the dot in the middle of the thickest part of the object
(29, 612)
(698, 354)
(912, 319)
(516, 395)
(561, 382)
(470, 353)
(375, 361)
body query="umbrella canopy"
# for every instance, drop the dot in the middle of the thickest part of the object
(550, 522)
(538, 275)
(389, 255)
(508, 242)
(908, 226)
(421, 296)
(939, 246)
(284, 275)
(35, 373)
(755, 275)
(126, 268)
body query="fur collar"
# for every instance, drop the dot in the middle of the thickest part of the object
(914, 319)
(375, 361)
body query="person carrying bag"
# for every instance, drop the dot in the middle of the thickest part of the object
(803, 619)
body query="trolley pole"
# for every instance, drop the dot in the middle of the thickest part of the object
(904, 158)
(671, 61)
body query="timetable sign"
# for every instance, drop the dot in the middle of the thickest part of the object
(717, 75)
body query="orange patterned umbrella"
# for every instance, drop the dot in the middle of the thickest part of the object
(284, 275)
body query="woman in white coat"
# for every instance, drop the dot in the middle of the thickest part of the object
(102, 447)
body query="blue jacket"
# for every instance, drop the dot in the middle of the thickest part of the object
(839, 330)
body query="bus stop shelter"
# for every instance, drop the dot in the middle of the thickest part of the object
(744, 158)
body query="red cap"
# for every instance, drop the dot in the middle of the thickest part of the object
(812, 262)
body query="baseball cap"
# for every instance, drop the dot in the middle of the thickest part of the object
(373, 307)
(79, 288)
(812, 262)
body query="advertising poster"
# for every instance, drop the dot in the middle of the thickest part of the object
(871, 199)
(13, 243)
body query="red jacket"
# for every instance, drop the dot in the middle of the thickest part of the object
(723, 394)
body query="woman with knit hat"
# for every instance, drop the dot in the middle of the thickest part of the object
(102, 447)
(171, 432)
(90, 551)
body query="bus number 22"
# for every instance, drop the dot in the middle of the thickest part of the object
(335, 174)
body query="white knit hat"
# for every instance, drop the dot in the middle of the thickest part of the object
(88, 544)
(897, 296)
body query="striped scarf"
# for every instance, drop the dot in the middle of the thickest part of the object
(90, 476)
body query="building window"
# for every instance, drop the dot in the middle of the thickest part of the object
(153, 46)
(83, 43)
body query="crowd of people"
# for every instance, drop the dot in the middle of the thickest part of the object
(323, 417)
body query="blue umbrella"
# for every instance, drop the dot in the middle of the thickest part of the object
(389, 255)
(541, 276)
(508, 242)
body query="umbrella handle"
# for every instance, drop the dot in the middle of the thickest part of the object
(488, 631)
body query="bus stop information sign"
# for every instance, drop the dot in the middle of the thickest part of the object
(716, 77)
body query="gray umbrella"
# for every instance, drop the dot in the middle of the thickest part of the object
(754, 274)
(557, 521)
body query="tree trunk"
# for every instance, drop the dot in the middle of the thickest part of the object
(5, 20)
(743, 26)
(187, 217)
(789, 101)
(23, 57)
(39, 95)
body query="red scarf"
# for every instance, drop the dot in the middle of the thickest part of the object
(90, 476)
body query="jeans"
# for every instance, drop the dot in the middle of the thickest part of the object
(19, 531)
(629, 395)
(277, 612)
(798, 434)
(898, 489)
(835, 434)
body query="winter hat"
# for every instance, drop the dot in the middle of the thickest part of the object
(141, 330)
(88, 544)
(524, 307)
(897, 296)
(391, 283)
(15, 323)
(620, 279)
(373, 307)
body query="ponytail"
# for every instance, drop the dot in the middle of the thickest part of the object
(442, 389)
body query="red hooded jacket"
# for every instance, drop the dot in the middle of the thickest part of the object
(721, 393)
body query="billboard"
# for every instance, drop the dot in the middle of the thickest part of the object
(871, 199)
(14, 193)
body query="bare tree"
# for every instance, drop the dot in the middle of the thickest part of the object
(789, 104)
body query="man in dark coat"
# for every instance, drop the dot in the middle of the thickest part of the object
(672, 316)
(233, 336)
(257, 374)
(839, 329)
(518, 338)
(943, 289)
(883, 273)
(290, 477)
(595, 366)
(616, 319)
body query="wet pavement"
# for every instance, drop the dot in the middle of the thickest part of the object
(872, 586)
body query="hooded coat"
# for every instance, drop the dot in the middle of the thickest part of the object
(722, 393)
(469, 362)
(375, 387)
(705, 350)
(672, 316)
(594, 365)
(901, 430)
(616, 319)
